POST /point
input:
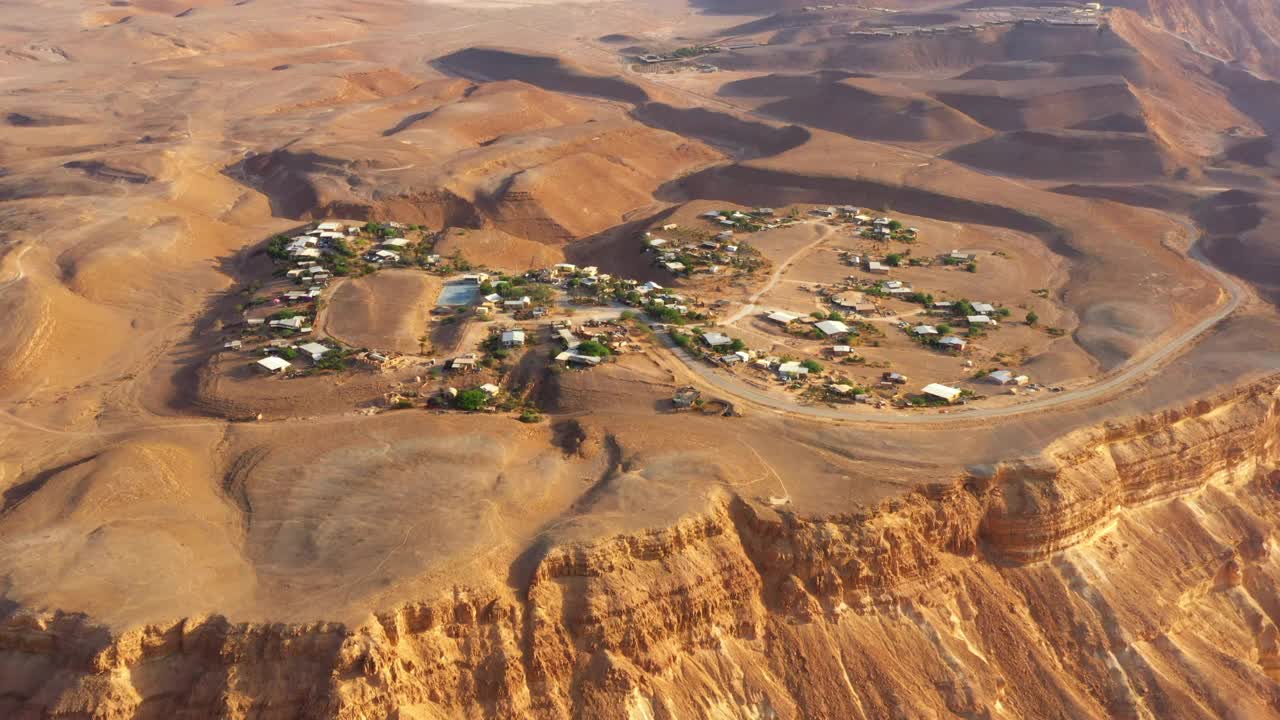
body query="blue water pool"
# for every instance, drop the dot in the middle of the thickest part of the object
(458, 293)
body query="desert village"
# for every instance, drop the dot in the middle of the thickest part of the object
(488, 335)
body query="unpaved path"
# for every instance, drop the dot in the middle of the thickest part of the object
(824, 233)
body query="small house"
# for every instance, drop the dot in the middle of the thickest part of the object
(924, 330)
(715, 339)
(943, 392)
(273, 364)
(783, 318)
(463, 364)
(513, 338)
(490, 389)
(570, 340)
(983, 308)
(832, 328)
(877, 268)
(293, 323)
(314, 350)
(569, 357)
(951, 342)
(792, 370)
(980, 320)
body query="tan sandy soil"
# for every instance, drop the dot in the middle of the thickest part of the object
(387, 311)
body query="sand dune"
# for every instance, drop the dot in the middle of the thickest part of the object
(1067, 155)
(864, 108)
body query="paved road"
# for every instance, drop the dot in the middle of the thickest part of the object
(1119, 380)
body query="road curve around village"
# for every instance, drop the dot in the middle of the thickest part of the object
(1118, 380)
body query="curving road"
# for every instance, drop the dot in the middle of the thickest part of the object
(1118, 380)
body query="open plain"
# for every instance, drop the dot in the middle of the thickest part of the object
(665, 359)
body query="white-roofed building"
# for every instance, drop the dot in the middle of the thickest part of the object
(513, 338)
(941, 391)
(925, 330)
(792, 370)
(832, 328)
(273, 364)
(715, 339)
(314, 350)
(783, 317)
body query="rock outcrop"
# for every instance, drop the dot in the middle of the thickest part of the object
(1128, 572)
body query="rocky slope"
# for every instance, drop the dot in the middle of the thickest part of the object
(1127, 572)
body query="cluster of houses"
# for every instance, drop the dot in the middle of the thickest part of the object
(828, 328)
(389, 250)
(277, 350)
(311, 244)
(705, 256)
(877, 228)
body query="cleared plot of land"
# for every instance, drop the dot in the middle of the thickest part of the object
(386, 311)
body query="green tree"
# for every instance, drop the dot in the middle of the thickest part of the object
(1032, 318)
(473, 399)
(812, 366)
(737, 345)
(893, 259)
(818, 315)
(594, 348)
(894, 225)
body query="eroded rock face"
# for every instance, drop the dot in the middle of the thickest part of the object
(1130, 572)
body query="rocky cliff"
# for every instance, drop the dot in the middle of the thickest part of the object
(1127, 572)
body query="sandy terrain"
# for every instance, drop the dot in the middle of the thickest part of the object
(386, 311)
(165, 554)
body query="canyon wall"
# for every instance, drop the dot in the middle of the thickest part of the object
(1130, 571)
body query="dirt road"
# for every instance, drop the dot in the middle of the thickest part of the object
(824, 232)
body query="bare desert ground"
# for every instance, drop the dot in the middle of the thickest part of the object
(429, 512)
